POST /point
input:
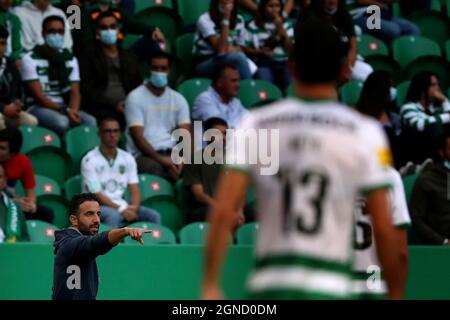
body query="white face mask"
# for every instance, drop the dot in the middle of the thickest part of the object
(447, 164)
(393, 93)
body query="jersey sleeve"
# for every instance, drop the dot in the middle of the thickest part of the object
(75, 73)
(400, 213)
(28, 70)
(239, 150)
(376, 159)
(91, 182)
(133, 113)
(206, 27)
(28, 180)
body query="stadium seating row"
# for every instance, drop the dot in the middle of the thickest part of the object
(191, 234)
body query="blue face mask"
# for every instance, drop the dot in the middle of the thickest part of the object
(55, 41)
(331, 11)
(393, 93)
(108, 37)
(158, 79)
(447, 164)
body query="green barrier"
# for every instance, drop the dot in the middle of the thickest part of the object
(175, 272)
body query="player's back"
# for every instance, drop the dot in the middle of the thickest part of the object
(327, 153)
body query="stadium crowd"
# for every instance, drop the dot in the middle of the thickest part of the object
(93, 108)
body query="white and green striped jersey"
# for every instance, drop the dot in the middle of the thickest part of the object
(206, 28)
(327, 153)
(35, 68)
(256, 37)
(367, 284)
(413, 114)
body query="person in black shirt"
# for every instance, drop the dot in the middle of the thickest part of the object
(75, 275)
(430, 200)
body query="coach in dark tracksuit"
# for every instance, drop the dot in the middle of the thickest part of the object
(75, 275)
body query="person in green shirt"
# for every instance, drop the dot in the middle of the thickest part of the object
(11, 23)
(12, 221)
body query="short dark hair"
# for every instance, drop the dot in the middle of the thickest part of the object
(107, 119)
(420, 84)
(51, 19)
(160, 55)
(319, 51)
(212, 122)
(78, 199)
(14, 137)
(4, 34)
(219, 70)
(105, 14)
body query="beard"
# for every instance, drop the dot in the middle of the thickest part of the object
(88, 230)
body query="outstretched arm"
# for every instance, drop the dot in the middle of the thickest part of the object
(229, 198)
(116, 235)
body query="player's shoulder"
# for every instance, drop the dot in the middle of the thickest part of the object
(125, 154)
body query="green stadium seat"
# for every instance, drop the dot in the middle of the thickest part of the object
(79, 141)
(60, 206)
(183, 49)
(385, 63)
(40, 231)
(158, 194)
(408, 185)
(192, 88)
(246, 234)
(350, 92)
(191, 10)
(290, 91)
(406, 49)
(72, 186)
(129, 40)
(194, 233)
(253, 92)
(51, 162)
(168, 21)
(250, 198)
(103, 228)
(437, 65)
(447, 50)
(160, 234)
(437, 5)
(369, 46)
(144, 4)
(35, 137)
(182, 197)
(448, 8)
(433, 24)
(402, 91)
(396, 10)
(44, 185)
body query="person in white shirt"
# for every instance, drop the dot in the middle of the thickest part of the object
(31, 15)
(108, 171)
(152, 112)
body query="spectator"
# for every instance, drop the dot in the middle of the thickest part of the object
(219, 37)
(391, 27)
(11, 113)
(108, 171)
(269, 43)
(52, 78)
(422, 117)
(430, 204)
(201, 179)
(377, 101)
(12, 222)
(220, 100)
(291, 8)
(152, 40)
(11, 23)
(109, 72)
(153, 111)
(31, 15)
(18, 167)
(335, 12)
